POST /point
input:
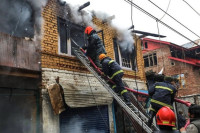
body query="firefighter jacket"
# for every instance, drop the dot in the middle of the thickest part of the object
(110, 67)
(162, 94)
(95, 46)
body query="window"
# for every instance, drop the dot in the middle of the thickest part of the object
(125, 59)
(150, 60)
(145, 45)
(68, 31)
(181, 78)
(177, 53)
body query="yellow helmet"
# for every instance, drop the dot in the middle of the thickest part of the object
(102, 56)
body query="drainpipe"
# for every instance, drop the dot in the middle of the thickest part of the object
(114, 121)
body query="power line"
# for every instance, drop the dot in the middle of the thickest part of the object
(174, 18)
(150, 15)
(131, 14)
(166, 9)
(191, 7)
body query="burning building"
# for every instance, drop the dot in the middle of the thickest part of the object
(20, 70)
(37, 63)
(86, 99)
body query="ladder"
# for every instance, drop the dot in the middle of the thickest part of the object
(131, 110)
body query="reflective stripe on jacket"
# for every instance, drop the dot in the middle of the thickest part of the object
(110, 67)
(162, 93)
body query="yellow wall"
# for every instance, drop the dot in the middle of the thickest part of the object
(52, 59)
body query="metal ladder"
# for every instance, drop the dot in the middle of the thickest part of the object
(131, 110)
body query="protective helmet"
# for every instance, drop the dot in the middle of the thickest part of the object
(165, 116)
(88, 29)
(102, 56)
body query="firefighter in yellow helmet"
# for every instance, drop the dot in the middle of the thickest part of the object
(112, 69)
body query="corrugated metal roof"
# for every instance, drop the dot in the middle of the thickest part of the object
(84, 96)
(191, 44)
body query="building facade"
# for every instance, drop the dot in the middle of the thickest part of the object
(20, 69)
(86, 99)
(176, 61)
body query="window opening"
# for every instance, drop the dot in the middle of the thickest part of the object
(68, 30)
(145, 45)
(150, 60)
(125, 59)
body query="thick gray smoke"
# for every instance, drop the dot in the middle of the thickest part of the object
(125, 38)
(83, 17)
(37, 6)
(20, 17)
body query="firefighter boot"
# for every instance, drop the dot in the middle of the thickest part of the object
(126, 98)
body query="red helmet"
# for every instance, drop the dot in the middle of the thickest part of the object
(88, 29)
(165, 116)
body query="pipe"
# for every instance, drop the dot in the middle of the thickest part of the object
(114, 120)
(83, 6)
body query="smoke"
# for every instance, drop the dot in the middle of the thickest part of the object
(37, 6)
(20, 17)
(84, 18)
(125, 40)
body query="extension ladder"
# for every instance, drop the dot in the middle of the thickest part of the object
(136, 114)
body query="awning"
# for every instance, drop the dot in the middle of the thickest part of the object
(86, 96)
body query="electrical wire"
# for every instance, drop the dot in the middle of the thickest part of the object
(150, 15)
(173, 18)
(160, 46)
(166, 10)
(191, 7)
(131, 14)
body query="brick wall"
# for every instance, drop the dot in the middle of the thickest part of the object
(73, 75)
(192, 85)
(51, 57)
(109, 34)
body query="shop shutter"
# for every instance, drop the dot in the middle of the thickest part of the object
(85, 120)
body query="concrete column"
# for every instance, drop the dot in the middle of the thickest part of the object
(50, 121)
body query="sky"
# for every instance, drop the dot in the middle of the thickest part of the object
(178, 9)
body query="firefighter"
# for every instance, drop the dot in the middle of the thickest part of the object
(165, 119)
(161, 94)
(95, 46)
(194, 114)
(112, 69)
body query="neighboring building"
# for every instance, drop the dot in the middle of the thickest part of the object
(20, 71)
(176, 61)
(84, 95)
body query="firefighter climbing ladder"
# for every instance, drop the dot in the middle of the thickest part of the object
(132, 110)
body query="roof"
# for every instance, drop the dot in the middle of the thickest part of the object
(191, 44)
(165, 43)
(187, 46)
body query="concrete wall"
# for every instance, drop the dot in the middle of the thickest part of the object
(50, 121)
